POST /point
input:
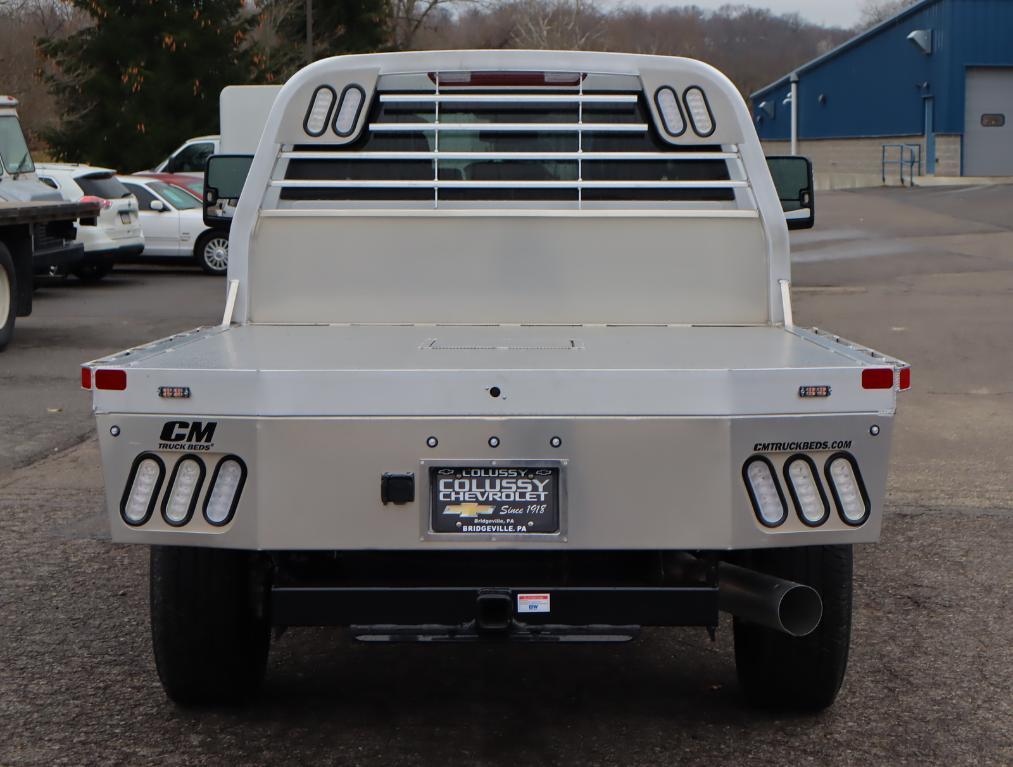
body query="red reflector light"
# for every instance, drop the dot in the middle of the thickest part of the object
(877, 378)
(111, 380)
(905, 379)
(85, 378)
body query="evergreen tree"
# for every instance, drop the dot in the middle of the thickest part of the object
(145, 76)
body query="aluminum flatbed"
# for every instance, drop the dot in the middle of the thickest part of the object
(416, 370)
(507, 352)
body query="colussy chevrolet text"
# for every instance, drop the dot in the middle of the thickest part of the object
(507, 352)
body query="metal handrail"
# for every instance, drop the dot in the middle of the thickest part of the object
(587, 156)
(491, 127)
(908, 154)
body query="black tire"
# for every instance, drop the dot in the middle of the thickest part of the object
(799, 673)
(92, 272)
(209, 627)
(8, 297)
(208, 252)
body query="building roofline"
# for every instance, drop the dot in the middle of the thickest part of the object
(857, 39)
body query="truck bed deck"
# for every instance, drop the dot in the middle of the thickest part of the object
(456, 370)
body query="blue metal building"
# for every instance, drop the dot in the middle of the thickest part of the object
(941, 71)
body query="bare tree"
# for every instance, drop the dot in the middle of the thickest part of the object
(877, 11)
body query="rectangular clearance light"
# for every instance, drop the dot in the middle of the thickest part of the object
(877, 378)
(111, 380)
(505, 79)
(904, 379)
(85, 378)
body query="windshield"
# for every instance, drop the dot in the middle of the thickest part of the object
(176, 196)
(13, 150)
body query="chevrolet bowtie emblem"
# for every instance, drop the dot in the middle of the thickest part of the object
(469, 510)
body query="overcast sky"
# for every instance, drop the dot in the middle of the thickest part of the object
(841, 13)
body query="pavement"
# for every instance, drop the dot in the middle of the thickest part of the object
(923, 274)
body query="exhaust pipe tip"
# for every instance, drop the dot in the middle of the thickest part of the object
(800, 610)
(792, 608)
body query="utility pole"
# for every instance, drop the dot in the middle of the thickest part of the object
(309, 31)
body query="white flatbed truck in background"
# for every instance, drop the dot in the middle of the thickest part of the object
(507, 353)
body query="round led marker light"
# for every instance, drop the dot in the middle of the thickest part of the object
(226, 487)
(320, 111)
(142, 490)
(848, 489)
(671, 111)
(806, 492)
(184, 487)
(699, 111)
(765, 492)
(348, 110)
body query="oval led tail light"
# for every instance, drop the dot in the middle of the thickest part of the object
(877, 378)
(111, 380)
(849, 491)
(184, 487)
(671, 111)
(806, 491)
(142, 488)
(319, 112)
(765, 491)
(699, 111)
(352, 98)
(226, 487)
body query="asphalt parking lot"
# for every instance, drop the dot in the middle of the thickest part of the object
(925, 274)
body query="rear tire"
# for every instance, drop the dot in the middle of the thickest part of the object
(8, 297)
(209, 627)
(800, 673)
(92, 273)
(212, 252)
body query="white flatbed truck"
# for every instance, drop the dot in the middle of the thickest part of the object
(507, 353)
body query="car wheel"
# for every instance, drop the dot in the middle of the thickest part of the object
(92, 272)
(209, 626)
(799, 673)
(8, 297)
(212, 252)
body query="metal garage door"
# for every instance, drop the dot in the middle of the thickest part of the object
(988, 123)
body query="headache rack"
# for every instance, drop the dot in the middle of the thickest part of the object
(511, 147)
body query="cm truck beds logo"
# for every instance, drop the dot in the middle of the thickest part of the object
(187, 435)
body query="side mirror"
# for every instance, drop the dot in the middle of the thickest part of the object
(157, 205)
(793, 179)
(224, 176)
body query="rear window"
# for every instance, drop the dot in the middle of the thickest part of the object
(563, 148)
(103, 185)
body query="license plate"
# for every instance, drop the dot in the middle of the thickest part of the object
(494, 500)
(125, 218)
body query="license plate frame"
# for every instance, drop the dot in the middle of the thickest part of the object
(433, 532)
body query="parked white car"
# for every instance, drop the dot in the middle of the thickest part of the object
(190, 157)
(173, 224)
(112, 235)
